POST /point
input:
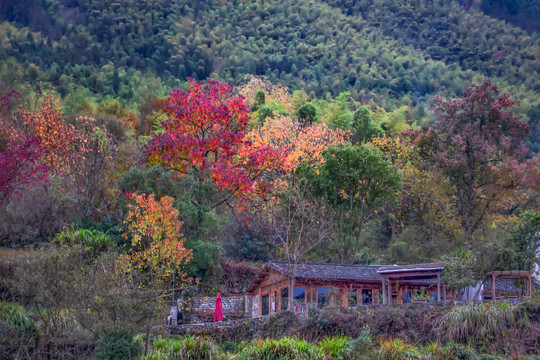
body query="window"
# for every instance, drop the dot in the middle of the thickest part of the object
(284, 299)
(379, 297)
(353, 297)
(322, 294)
(299, 293)
(265, 305)
(407, 297)
(367, 297)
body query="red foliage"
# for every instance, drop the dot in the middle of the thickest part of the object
(20, 166)
(5, 100)
(477, 144)
(205, 135)
(58, 139)
(20, 154)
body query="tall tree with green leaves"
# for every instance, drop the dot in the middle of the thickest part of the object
(357, 180)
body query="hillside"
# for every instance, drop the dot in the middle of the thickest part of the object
(158, 150)
(389, 52)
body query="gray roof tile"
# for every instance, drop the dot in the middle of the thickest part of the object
(329, 271)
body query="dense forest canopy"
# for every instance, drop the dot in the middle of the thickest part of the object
(383, 52)
(159, 147)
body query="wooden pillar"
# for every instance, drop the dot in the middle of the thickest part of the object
(444, 292)
(260, 301)
(389, 291)
(439, 287)
(290, 305)
(493, 286)
(530, 285)
(384, 298)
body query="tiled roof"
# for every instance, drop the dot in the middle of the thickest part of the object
(329, 271)
(412, 267)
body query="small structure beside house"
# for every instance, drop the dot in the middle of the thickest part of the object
(504, 284)
(410, 276)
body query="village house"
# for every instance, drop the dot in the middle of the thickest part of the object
(319, 285)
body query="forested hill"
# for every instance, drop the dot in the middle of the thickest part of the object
(384, 52)
(522, 13)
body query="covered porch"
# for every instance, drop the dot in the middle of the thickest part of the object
(408, 279)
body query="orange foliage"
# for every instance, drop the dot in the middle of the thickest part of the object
(301, 143)
(157, 243)
(130, 121)
(278, 93)
(57, 138)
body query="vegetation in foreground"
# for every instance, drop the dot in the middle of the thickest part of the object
(485, 331)
(481, 336)
(337, 347)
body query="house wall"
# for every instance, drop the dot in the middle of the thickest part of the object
(274, 282)
(252, 306)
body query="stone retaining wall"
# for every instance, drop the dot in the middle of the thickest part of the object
(198, 329)
(203, 308)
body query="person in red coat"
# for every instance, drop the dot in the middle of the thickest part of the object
(218, 314)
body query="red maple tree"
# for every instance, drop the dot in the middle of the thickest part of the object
(205, 137)
(20, 166)
(477, 145)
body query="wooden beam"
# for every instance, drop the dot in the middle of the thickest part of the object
(260, 302)
(492, 286)
(384, 292)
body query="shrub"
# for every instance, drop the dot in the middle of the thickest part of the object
(16, 330)
(186, 348)
(16, 316)
(530, 309)
(337, 347)
(117, 346)
(457, 351)
(394, 349)
(282, 349)
(475, 323)
(361, 346)
(92, 240)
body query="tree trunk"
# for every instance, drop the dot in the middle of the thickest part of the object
(358, 238)
(147, 343)
(291, 294)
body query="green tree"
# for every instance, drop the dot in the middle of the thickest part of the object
(357, 180)
(307, 113)
(363, 126)
(526, 240)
